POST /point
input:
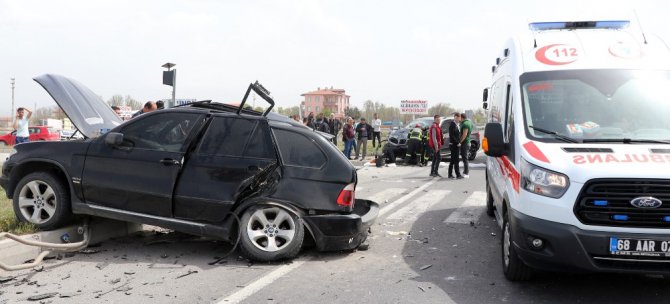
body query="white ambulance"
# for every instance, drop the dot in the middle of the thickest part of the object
(578, 145)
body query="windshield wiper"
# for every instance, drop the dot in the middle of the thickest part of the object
(556, 135)
(626, 141)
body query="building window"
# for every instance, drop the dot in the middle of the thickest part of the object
(317, 109)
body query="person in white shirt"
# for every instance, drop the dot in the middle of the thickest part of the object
(376, 130)
(21, 125)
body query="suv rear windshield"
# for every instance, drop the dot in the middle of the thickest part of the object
(597, 104)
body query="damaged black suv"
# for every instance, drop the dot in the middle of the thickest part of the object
(206, 168)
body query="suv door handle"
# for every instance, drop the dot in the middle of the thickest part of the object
(253, 168)
(169, 162)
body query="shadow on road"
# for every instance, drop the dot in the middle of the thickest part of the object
(464, 260)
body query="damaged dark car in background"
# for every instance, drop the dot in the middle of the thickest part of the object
(206, 168)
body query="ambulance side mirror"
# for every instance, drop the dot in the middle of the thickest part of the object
(493, 142)
(485, 98)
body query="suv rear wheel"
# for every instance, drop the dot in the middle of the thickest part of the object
(270, 233)
(42, 199)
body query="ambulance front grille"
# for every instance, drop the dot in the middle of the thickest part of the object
(607, 202)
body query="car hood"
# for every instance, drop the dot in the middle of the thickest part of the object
(87, 111)
(400, 133)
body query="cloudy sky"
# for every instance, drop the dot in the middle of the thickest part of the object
(384, 51)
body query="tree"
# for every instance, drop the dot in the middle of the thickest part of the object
(354, 112)
(442, 109)
(132, 103)
(480, 116)
(326, 112)
(116, 100)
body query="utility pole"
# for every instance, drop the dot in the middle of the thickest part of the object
(170, 78)
(12, 110)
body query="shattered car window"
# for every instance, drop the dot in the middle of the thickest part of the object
(227, 136)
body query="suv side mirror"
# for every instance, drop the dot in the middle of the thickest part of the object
(485, 98)
(493, 142)
(114, 139)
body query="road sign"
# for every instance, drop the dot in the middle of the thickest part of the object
(413, 107)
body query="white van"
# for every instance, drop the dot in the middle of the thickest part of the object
(578, 145)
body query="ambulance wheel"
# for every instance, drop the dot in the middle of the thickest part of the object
(514, 268)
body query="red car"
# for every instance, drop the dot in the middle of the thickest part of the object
(37, 133)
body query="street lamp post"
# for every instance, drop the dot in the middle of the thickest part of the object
(12, 110)
(170, 78)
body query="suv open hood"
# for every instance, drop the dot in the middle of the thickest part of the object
(87, 111)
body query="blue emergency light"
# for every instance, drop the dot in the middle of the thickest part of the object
(600, 203)
(573, 25)
(620, 217)
(666, 218)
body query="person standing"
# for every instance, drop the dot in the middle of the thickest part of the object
(454, 143)
(335, 125)
(435, 142)
(377, 130)
(348, 136)
(21, 122)
(364, 131)
(413, 146)
(321, 124)
(466, 130)
(150, 106)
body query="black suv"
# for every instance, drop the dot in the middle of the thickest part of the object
(206, 168)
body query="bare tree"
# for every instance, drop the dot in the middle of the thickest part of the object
(116, 100)
(132, 103)
(442, 109)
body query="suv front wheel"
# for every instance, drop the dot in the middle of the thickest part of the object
(42, 199)
(269, 233)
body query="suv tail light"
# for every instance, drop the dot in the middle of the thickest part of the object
(347, 196)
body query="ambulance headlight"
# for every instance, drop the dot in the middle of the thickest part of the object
(542, 181)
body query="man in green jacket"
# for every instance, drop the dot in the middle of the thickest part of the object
(466, 130)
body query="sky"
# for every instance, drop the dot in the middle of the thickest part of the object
(386, 51)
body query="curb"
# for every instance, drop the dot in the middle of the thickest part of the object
(12, 252)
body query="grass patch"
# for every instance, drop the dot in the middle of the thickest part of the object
(8, 220)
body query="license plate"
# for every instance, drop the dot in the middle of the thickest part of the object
(639, 247)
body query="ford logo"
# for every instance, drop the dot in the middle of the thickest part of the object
(646, 202)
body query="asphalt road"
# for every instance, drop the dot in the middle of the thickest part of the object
(432, 244)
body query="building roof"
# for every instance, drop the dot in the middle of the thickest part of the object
(326, 92)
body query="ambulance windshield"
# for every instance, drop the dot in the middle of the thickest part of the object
(597, 104)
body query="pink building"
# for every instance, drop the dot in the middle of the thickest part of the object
(333, 99)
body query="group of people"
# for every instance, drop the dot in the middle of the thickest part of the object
(459, 131)
(355, 134)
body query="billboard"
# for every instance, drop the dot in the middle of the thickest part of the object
(413, 107)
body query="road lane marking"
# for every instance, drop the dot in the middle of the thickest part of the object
(259, 284)
(381, 197)
(401, 200)
(469, 210)
(419, 206)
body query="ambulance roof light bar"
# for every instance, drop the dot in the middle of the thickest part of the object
(573, 25)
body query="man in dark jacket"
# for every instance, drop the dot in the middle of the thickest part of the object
(335, 125)
(454, 143)
(321, 124)
(364, 131)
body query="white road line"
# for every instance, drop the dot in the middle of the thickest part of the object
(401, 200)
(382, 196)
(470, 210)
(419, 206)
(259, 284)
